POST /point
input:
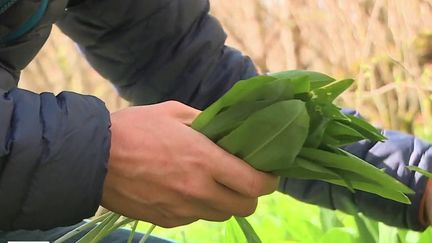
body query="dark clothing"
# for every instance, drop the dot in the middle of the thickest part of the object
(118, 236)
(152, 51)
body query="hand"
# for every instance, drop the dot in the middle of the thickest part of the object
(162, 171)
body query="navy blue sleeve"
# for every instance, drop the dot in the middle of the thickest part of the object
(53, 153)
(157, 50)
(393, 155)
(53, 149)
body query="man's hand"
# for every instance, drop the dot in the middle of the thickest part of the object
(164, 172)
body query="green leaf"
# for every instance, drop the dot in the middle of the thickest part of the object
(300, 84)
(82, 228)
(368, 184)
(297, 172)
(233, 232)
(100, 229)
(146, 236)
(317, 125)
(375, 189)
(271, 138)
(316, 79)
(249, 232)
(366, 129)
(132, 233)
(387, 234)
(312, 166)
(330, 111)
(240, 91)
(254, 89)
(230, 118)
(426, 236)
(321, 114)
(351, 163)
(339, 235)
(421, 171)
(329, 219)
(338, 129)
(338, 134)
(367, 229)
(330, 92)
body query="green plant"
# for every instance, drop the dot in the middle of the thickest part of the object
(287, 124)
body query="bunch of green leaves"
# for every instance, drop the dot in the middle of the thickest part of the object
(287, 124)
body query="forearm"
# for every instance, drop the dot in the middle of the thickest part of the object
(157, 50)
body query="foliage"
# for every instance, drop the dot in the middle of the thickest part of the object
(282, 219)
(287, 124)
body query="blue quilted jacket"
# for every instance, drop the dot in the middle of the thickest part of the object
(54, 149)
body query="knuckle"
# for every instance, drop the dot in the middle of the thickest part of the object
(249, 209)
(270, 184)
(183, 213)
(169, 224)
(255, 187)
(177, 222)
(172, 220)
(192, 189)
(199, 163)
(172, 103)
(260, 186)
(175, 106)
(170, 107)
(222, 217)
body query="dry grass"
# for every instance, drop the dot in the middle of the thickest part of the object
(385, 44)
(60, 67)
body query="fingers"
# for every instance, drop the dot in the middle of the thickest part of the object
(237, 175)
(230, 202)
(209, 182)
(217, 202)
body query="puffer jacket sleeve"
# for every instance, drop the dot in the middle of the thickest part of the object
(393, 155)
(157, 50)
(53, 149)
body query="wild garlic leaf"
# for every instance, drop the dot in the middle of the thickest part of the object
(300, 84)
(306, 169)
(297, 172)
(248, 231)
(363, 127)
(339, 134)
(419, 170)
(336, 128)
(316, 79)
(351, 163)
(330, 92)
(231, 117)
(317, 125)
(371, 186)
(241, 91)
(271, 138)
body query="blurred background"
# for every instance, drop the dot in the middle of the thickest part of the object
(386, 45)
